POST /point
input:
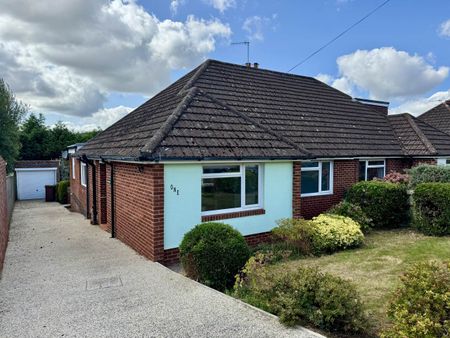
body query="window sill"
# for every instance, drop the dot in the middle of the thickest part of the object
(236, 214)
(317, 194)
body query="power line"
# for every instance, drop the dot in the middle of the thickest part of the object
(339, 35)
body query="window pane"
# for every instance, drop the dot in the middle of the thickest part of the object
(251, 184)
(362, 170)
(447, 162)
(371, 163)
(375, 172)
(310, 181)
(221, 169)
(221, 193)
(310, 164)
(325, 176)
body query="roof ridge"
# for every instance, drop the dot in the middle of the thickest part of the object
(257, 124)
(166, 127)
(191, 82)
(426, 142)
(431, 126)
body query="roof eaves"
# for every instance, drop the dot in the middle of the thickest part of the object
(302, 150)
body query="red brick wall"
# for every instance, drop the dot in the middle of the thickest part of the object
(139, 208)
(419, 161)
(77, 191)
(4, 227)
(401, 164)
(345, 175)
(296, 189)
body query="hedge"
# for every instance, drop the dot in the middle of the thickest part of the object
(62, 191)
(385, 203)
(429, 173)
(431, 208)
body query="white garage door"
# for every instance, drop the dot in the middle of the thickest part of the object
(31, 182)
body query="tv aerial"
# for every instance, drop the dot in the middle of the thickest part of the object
(247, 44)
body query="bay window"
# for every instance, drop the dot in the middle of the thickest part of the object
(370, 169)
(316, 178)
(229, 188)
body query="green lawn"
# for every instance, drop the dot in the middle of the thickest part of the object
(376, 267)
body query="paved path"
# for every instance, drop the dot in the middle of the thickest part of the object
(65, 277)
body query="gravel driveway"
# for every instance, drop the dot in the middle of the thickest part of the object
(65, 277)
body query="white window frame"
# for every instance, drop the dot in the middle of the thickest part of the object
(374, 166)
(319, 168)
(73, 167)
(83, 174)
(443, 161)
(240, 174)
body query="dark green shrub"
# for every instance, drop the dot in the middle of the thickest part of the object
(62, 191)
(431, 208)
(353, 211)
(213, 253)
(385, 203)
(303, 296)
(426, 173)
(421, 305)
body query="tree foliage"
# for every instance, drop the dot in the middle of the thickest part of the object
(11, 114)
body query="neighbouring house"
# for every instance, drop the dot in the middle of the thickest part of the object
(240, 145)
(70, 150)
(32, 176)
(439, 117)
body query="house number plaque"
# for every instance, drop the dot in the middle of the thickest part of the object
(174, 189)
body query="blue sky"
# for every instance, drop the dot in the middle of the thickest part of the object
(125, 52)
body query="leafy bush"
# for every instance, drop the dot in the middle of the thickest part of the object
(304, 296)
(396, 177)
(62, 191)
(385, 203)
(426, 173)
(333, 232)
(421, 305)
(212, 253)
(296, 232)
(353, 211)
(431, 208)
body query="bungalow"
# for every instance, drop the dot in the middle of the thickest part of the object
(242, 145)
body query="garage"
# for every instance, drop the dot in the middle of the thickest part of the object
(33, 176)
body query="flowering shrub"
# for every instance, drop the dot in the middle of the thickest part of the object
(296, 232)
(421, 305)
(335, 232)
(302, 296)
(353, 211)
(396, 177)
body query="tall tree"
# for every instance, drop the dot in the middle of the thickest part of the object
(35, 138)
(60, 137)
(11, 115)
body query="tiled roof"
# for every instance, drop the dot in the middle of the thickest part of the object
(438, 117)
(37, 164)
(227, 111)
(418, 138)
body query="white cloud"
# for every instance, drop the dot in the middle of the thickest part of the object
(66, 56)
(420, 106)
(174, 5)
(444, 29)
(100, 119)
(341, 84)
(386, 73)
(221, 5)
(255, 26)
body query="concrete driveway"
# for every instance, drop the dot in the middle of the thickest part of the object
(65, 277)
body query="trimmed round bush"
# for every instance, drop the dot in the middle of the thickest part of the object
(334, 232)
(303, 296)
(385, 203)
(426, 173)
(213, 253)
(421, 305)
(431, 208)
(62, 191)
(353, 211)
